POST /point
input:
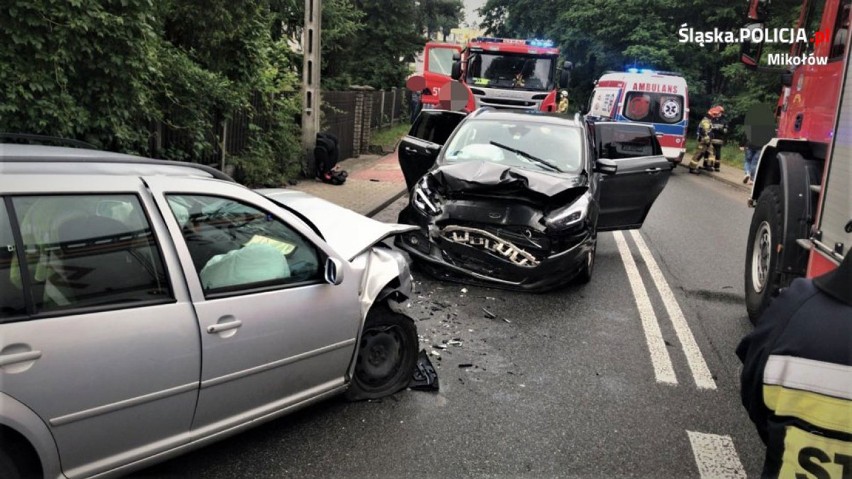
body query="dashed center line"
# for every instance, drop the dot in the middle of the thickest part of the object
(662, 363)
(715, 456)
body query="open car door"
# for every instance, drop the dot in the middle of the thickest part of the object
(641, 173)
(418, 150)
(437, 67)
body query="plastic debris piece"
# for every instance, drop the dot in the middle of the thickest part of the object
(464, 290)
(454, 343)
(489, 314)
(507, 320)
(465, 365)
(425, 377)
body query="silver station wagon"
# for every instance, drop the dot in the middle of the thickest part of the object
(150, 307)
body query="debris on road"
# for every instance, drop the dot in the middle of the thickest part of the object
(425, 377)
(489, 314)
(465, 365)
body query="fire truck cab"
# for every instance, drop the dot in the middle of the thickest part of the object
(499, 72)
(802, 223)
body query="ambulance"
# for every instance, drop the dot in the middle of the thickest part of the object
(644, 96)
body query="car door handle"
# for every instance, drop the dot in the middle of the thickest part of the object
(653, 171)
(409, 149)
(219, 327)
(7, 359)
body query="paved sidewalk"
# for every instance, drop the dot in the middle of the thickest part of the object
(374, 182)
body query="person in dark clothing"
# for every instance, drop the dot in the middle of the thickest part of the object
(797, 377)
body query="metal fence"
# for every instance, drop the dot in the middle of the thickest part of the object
(351, 116)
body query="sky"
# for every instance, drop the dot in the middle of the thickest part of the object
(470, 15)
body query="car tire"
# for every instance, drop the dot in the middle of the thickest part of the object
(387, 355)
(762, 278)
(588, 268)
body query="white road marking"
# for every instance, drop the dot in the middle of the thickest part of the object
(663, 369)
(700, 371)
(715, 456)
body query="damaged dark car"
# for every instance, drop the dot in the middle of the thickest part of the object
(515, 200)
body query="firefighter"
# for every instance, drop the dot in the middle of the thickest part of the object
(718, 132)
(797, 377)
(563, 102)
(705, 129)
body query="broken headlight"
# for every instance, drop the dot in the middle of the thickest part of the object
(570, 215)
(425, 198)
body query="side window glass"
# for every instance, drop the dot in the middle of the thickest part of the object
(237, 247)
(441, 60)
(622, 141)
(11, 293)
(89, 251)
(841, 30)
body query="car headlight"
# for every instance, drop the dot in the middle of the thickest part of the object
(425, 198)
(570, 215)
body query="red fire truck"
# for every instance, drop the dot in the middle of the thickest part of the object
(499, 72)
(802, 222)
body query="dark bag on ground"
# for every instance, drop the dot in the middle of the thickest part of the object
(327, 154)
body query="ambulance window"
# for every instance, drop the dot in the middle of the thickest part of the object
(670, 108)
(637, 107)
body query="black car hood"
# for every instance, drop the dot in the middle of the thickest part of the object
(482, 177)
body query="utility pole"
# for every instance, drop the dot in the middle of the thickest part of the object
(311, 82)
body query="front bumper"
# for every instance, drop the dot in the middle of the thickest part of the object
(501, 266)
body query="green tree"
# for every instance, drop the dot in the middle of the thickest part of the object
(439, 16)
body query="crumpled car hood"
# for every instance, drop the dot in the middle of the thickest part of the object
(348, 232)
(488, 177)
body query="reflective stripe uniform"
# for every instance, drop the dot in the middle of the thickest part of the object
(797, 382)
(705, 126)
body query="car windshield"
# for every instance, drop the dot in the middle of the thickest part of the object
(522, 144)
(510, 71)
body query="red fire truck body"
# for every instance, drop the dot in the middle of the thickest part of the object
(802, 223)
(499, 72)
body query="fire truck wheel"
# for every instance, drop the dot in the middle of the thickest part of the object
(762, 278)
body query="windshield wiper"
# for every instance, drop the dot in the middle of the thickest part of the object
(528, 156)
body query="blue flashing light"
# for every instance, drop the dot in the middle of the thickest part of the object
(647, 70)
(538, 42)
(633, 70)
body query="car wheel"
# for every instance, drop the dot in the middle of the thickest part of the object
(386, 356)
(762, 278)
(585, 274)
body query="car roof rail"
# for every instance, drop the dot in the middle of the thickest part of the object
(29, 138)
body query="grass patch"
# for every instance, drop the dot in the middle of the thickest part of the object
(387, 137)
(731, 154)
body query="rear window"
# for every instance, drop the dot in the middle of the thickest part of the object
(653, 107)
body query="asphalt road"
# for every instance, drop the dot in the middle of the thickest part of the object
(573, 383)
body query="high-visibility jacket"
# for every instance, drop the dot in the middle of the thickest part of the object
(797, 378)
(705, 126)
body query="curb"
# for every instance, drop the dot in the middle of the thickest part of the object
(385, 203)
(720, 178)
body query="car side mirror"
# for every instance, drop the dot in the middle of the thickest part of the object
(333, 271)
(606, 166)
(787, 79)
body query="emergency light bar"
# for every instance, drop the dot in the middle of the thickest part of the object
(533, 42)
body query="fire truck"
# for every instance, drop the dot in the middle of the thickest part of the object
(499, 72)
(802, 222)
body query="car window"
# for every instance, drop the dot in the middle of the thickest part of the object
(492, 141)
(11, 294)
(88, 251)
(435, 126)
(237, 247)
(618, 141)
(441, 60)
